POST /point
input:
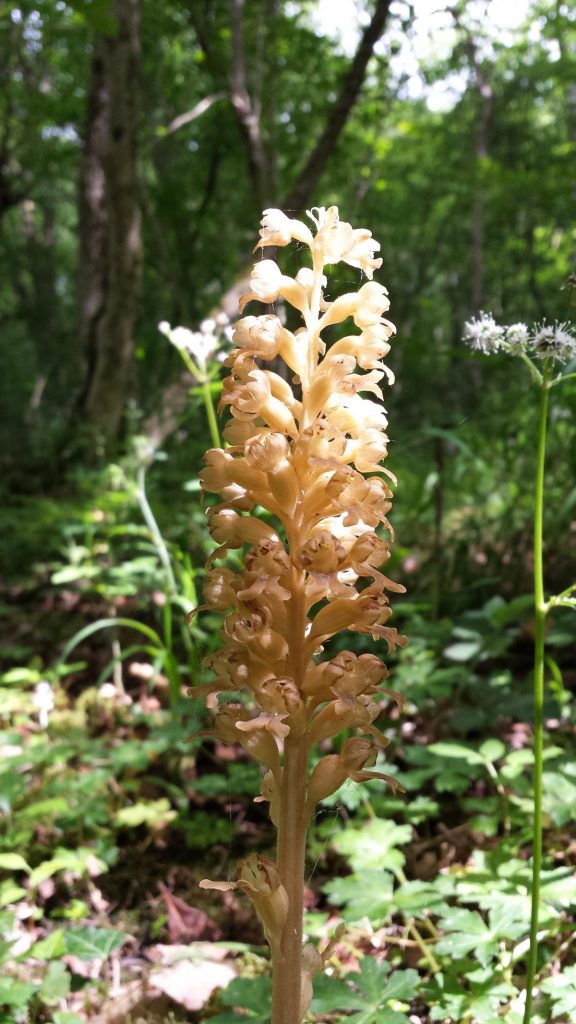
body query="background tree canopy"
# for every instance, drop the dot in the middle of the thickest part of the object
(139, 143)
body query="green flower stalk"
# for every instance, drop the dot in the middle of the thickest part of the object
(199, 351)
(549, 344)
(305, 446)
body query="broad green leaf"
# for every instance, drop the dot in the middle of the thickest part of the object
(93, 943)
(466, 933)
(72, 573)
(15, 993)
(64, 1017)
(331, 994)
(562, 990)
(56, 983)
(146, 812)
(371, 992)
(75, 861)
(368, 894)
(374, 845)
(20, 677)
(457, 750)
(492, 750)
(252, 995)
(11, 893)
(52, 807)
(13, 862)
(49, 948)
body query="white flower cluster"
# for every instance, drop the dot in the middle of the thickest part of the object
(547, 341)
(201, 345)
(554, 342)
(483, 334)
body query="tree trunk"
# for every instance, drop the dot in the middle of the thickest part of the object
(110, 242)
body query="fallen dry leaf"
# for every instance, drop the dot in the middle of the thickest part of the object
(190, 984)
(186, 922)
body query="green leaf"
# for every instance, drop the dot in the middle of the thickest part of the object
(11, 893)
(54, 806)
(95, 627)
(64, 1017)
(72, 573)
(375, 988)
(56, 984)
(20, 677)
(331, 994)
(562, 990)
(252, 995)
(13, 862)
(369, 894)
(374, 845)
(457, 750)
(49, 948)
(75, 861)
(15, 993)
(93, 943)
(492, 750)
(466, 932)
(146, 812)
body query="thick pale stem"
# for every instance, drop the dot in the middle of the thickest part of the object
(287, 964)
(293, 818)
(540, 616)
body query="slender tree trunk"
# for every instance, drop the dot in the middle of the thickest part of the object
(487, 100)
(110, 241)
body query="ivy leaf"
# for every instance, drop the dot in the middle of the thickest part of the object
(93, 943)
(56, 984)
(15, 993)
(50, 947)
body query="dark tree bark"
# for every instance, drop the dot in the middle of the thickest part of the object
(246, 110)
(110, 238)
(307, 179)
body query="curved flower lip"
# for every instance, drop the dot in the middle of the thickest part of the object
(268, 282)
(208, 883)
(279, 229)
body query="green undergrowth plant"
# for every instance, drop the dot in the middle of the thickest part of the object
(541, 351)
(119, 555)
